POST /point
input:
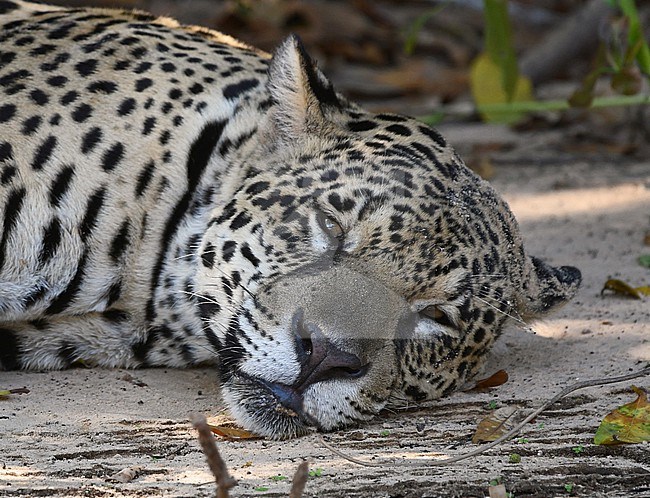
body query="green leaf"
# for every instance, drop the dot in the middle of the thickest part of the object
(279, 478)
(492, 405)
(635, 35)
(433, 119)
(644, 260)
(498, 44)
(628, 423)
(317, 472)
(584, 95)
(416, 27)
(261, 488)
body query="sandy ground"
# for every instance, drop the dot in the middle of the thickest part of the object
(77, 428)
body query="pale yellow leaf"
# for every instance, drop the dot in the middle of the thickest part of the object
(487, 88)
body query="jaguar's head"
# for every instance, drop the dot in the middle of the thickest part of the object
(358, 263)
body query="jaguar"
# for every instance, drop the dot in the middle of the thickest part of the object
(170, 196)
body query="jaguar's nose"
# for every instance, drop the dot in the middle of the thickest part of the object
(320, 358)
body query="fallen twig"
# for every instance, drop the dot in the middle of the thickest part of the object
(508, 435)
(218, 467)
(299, 480)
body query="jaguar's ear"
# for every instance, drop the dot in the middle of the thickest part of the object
(299, 91)
(546, 287)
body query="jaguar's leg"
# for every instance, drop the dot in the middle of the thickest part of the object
(103, 339)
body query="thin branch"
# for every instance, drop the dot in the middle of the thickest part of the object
(217, 466)
(299, 480)
(508, 435)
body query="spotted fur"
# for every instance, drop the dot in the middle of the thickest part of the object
(170, 196)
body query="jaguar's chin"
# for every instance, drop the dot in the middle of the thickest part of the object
(262, 409)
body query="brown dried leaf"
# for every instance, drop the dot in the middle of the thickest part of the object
(130, 378)
(496, 379)
(495, 425)
(232, 431)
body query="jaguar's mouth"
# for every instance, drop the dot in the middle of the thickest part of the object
(268, 409)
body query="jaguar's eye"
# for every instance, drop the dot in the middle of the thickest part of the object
(437, 315)
(331, 226)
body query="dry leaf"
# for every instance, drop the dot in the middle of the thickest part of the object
(495, 425)
(623, 289)
(232, 431)
(126, 475)
(130, 378)
(496, 379)
(628, 423)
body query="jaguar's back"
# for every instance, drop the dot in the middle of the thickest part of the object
(169, 196)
